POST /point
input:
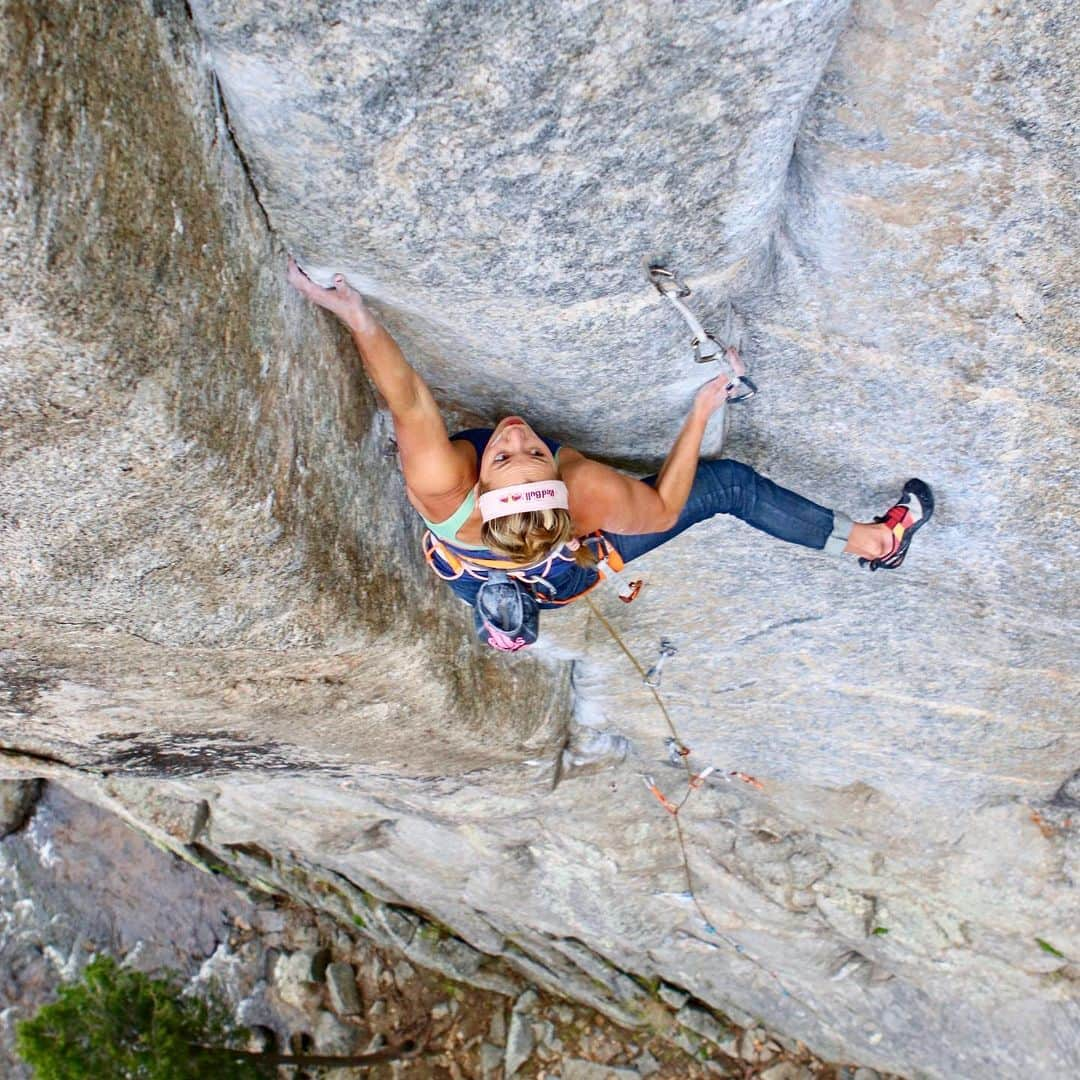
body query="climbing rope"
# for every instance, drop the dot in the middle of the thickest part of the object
(740, 388)
(678, 751)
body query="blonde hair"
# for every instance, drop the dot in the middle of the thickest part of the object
(529, 537)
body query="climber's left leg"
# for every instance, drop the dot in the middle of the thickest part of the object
(730, 487)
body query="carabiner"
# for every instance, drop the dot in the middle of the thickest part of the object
(667, 282)
(750, 389)
(705, 347)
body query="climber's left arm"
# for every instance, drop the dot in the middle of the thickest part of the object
(433, 466)
(602, 498)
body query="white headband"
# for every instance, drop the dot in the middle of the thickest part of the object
(520, 498)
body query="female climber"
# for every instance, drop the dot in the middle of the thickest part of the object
(517, 522)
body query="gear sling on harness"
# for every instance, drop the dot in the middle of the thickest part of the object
(452, 563)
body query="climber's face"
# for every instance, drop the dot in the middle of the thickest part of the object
(515, 454)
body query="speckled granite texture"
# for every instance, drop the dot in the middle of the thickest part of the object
(211, 570)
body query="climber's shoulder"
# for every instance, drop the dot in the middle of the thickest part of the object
(581, 473)
(592, 486)
(437, 471)
(604, 498)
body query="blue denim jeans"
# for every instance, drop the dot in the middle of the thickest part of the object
(720, 487)
(730, 487)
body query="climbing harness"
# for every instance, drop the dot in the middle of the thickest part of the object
(706, 348)
(610, 567)
(451, 562)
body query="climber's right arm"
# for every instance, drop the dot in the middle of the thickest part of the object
(602, 498)
(433, 466)
(385, 364)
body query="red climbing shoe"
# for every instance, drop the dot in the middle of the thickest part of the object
(912, 510)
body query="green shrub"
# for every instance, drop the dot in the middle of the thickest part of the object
(121, 1024)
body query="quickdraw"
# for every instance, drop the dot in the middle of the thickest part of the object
(655, 673)
(679, 755)
(699, 778)
(706, 348)
(661, 798)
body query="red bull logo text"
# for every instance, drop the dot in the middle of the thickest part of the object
(529, 496)
(540, 495)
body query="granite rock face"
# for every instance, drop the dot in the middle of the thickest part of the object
(212, 573)
(17, 799)
(191, 467)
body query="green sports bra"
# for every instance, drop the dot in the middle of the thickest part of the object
(447, 530)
